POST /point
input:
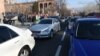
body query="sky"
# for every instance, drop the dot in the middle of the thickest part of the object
(78, 3)
(71, 3)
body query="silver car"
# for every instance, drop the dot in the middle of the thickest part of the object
(45, 28)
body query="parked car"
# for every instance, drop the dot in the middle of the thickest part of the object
(94, 15)
(85, 37)
(46, 28)
(56, 17)
(15, 41)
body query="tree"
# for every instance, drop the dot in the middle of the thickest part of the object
(98, 3)
(35, 7)
(62, 8)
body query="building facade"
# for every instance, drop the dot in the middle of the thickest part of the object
(2, 4)
(47, 6)
(2, 7)
(24, 8)
(10, 1)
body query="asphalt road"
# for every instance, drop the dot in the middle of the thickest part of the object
(57, 46)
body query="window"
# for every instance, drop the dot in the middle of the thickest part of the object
(89, 30)
(50, 3)
(46, 21)
(56, 20)
(13, 34)
(6, 34)
(41, 5)
(45, 4)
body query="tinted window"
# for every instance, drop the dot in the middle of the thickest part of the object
(13, 34)
(46, 21)
(6, 34)
(90, 30)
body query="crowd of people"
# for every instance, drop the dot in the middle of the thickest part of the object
(23, 18)
(36, 18)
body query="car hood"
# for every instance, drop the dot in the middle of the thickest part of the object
(40, 27)
(86, 47)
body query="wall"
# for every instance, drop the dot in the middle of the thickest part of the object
(2, 9)
(25, 8)
(47, 7)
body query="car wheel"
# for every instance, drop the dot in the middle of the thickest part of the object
(51, 34)
(25, 52)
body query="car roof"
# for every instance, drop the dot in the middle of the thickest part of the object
(5, 25)
(16, 29)
(88, 19)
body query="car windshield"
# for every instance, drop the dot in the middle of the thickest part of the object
(88, 30)
(46, 21)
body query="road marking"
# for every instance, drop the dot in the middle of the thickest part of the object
(58, 50)
(63, 36)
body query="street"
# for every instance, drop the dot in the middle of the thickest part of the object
(49, 27)
(57, 46)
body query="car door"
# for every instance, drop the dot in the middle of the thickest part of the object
(9, 42)
(56, 24)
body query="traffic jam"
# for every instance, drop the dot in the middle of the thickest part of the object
(49, 28)
(71, 36)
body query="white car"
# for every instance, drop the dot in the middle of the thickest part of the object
(45, 28)
(15, 41)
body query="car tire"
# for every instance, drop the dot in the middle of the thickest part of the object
(25, 52)
(51, 34)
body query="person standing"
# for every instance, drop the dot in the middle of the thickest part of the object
(5, 20)
(21, 19)
(46, 16)
(33, 18)
(37, 18)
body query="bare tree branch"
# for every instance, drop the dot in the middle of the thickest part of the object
(62, 8)
(98, 3)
